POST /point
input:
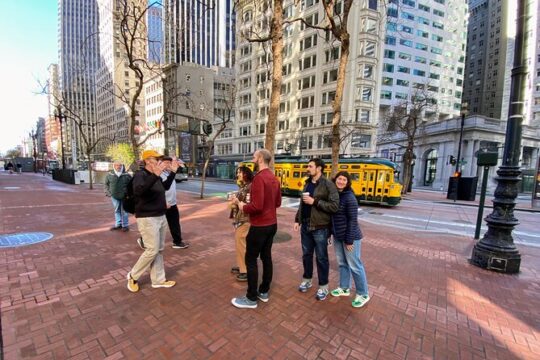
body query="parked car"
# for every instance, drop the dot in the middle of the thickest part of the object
(180, 176)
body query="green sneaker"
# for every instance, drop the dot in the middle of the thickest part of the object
(340, 292)
(360, 300)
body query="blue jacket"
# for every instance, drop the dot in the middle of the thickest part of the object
(345, 222)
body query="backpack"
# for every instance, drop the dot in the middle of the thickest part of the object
(128, 203)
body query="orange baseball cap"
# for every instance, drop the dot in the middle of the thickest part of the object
(150, 153)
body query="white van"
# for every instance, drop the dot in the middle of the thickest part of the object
(180, 176)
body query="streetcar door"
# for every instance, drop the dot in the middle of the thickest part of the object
(371, 178)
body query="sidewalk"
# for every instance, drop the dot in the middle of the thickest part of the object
(523, 201)
(67, 297)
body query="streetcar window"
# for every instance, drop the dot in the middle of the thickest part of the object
(365, 176)
(344, 166)
(296, 174)
(355, 167)
(387, 177)
(355, 177)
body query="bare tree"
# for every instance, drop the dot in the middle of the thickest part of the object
(275, 35)
(223, 116)
(406, 119)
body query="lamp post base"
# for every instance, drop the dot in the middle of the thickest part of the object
(489, 258)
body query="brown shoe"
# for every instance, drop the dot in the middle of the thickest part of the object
(241, 277)
(165, 284)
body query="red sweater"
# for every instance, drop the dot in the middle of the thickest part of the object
(265, 199)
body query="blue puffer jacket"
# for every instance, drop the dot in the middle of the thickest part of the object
(345, 222)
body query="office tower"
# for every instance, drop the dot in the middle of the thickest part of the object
(78, 61)
(154, 19)
(425, 51)
(116, 83)
(310, 63)
(199, 31)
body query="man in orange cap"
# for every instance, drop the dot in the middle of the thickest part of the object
(150, 209)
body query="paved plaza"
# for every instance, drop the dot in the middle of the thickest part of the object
(66, 298)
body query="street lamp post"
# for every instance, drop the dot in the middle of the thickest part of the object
(496, 250)
(33, 135)
(457, 173)
(61, 118)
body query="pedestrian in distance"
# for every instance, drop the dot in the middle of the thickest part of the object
(320, 199)
(347, 242)
(150, 210)
(265, 198)
(172, 214)
(116, 184)
(9, 167)
(19, 168)
(241, 221)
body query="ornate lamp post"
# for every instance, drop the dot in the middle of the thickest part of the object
(61, 118)
(33, 135)
(496, 250)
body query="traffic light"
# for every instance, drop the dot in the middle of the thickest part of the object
(457, 174)
(207, 128)
(453, 160)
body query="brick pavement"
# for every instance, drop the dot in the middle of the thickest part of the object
(66, 298)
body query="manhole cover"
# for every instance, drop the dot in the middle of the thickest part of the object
(282, 237)
(21, 239)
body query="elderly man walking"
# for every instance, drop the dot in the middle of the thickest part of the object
(116, 184)
(150, 209)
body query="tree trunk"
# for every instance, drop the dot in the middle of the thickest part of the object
(90, 180)
(205, 167)
(338, 101)
(276, 34)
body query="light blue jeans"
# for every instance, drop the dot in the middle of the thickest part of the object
(120, 215)
(349, 263)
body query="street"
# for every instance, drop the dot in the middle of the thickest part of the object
(411, 214)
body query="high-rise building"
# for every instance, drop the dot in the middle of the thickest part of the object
(425, 51)
(154, 20)
(199, 31)
(52, 129)
(490, 56)
(79, 58)
(116, 83)
(532, 116)
(310, 64)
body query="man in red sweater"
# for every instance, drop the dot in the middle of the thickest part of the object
(265, 199)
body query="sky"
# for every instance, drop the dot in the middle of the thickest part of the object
(28, 44)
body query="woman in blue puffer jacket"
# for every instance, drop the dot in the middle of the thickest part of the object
(347, 241)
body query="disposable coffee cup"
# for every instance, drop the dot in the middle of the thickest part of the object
(305, 194)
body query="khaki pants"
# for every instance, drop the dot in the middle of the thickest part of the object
(240, 237)
(152, 230)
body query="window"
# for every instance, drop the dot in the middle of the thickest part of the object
(369, 49)
(409, 3)
(388, 81)
(306, 102)
(391, 26)
(312, 19)
(406, 29)
(405, 42)
(388, 68)
(401, 96)
(403, 69)
(287, 69)
(360, 140)
(389, 54)
(367, 72)
(438, 25)
(244, 130)
(392, 12)
(435, 63)
(326, 118)
(328, 97)
(385, 94)
(435, 50)
(404, 56)
(329, 76)
(438, 12)
(419, 59)
(423, 7)
(306, 121)
(407, 16)
(306, 82)
(419, 72)
(308, 42)
(332, 54)
(421, 46)
(423, 20)
(362, 115)
(367, 94)
(400, 82)
(307, 62)
(436, 38)
(434, 76)
(390, 40)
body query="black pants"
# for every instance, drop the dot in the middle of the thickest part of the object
(259, 243)
(173, 219)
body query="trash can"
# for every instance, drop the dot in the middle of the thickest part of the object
(464, 186)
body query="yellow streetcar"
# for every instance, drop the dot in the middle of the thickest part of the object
(372, 179)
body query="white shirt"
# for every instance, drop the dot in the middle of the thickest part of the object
(170, 195)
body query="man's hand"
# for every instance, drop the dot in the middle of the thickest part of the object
(174, 165)
(296, 226)
(308, 200)
(349, 247)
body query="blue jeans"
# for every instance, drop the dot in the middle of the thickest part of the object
(349, 263)
(315, 241)
(120, 216)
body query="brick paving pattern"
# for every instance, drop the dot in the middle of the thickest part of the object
(66, 298)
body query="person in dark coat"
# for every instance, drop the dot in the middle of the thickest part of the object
(347, 241)
(116, 184)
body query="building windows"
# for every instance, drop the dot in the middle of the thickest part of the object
(421, 46)
(435, 63)
(388, 68)
(330, 76)
(369, 49)
(362, 115)
(386, 95)
(328, 97)
(404, 56)
(434, 76)
(244, 130)
(387, 81)
(392, 12)
(308, 42)
(306, 102)
(420, 59)
(359, 140)
(438, 25)
(401, 96)
(424, 7)
(390, 40)
(436, 37)
(438, 12)
(306, 121)
(389, 54)
(406, 29)
(422, 20)
(405, 42)
(403, 69)
(401, 82)
(435, 50)
(367, 72)
(308, 62)
(326, 118)
(306, 83)
(332, 54)
(407, 16)
(366, 94)
(244, 148)
(419, 72)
